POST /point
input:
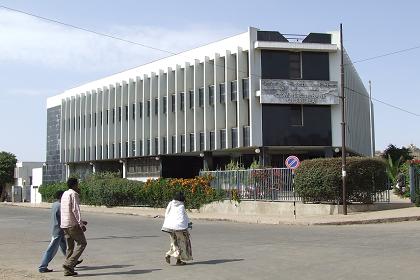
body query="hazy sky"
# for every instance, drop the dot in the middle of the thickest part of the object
(39, 59)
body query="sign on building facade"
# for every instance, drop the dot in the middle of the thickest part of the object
(275, 91)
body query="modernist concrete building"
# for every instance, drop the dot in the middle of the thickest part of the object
(257, 95)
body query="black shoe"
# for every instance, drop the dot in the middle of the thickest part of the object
(70, 273)
(68, 268)
(79, 262)
(168, 259)
(179, 262)
(45, 270)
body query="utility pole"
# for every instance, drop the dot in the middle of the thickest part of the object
(343, 126)
(372, 148)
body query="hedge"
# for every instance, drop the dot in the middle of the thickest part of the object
(319, 180)
(107, 190)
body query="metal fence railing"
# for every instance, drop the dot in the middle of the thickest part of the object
(274, 184)
(271, 184)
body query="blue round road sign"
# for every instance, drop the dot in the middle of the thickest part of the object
(292, 162)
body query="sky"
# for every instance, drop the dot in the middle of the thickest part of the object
(39, 59)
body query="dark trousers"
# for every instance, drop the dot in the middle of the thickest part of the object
(74, 235)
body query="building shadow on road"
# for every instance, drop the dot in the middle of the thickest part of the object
(108, 237)
(86, 267)
(130, 272)
(216, 261)
(122, 237)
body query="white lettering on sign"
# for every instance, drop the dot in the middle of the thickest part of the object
(275, 91)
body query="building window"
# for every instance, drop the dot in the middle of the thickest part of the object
(119, 150)
(90, 120)
(156, 106)
(126, 154)
(113, 115)
(140, 147)
(95, 154)
(247, 135)
(233, 90)
(126, 112)
(95, 118)
(245, 88)
(164, 104)
(201, 97)
(133, 113)
(164, 145)
(234, 137)
(156, 146)
(173, 103)
(78, 123)
(181, 103)
(182, 143)
(191, 99)
(119, 114)
(212, 138)
(148, 147)
(173, 144)
(107, 117)
(223, 139)
(294, 65)
(222, 93)
(112, 151)
(106, 151)
(191, 142)
(211, 95)
(201, 141)
(141, 110)
(148, 108)
(296, 115)
(102, 119)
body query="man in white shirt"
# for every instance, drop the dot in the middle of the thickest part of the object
(73, 226)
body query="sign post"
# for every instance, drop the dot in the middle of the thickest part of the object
(293, 162)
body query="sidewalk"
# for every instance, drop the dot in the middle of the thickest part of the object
(384, 216)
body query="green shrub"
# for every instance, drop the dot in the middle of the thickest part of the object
(319, 180)
(48, 191)
(109, 190)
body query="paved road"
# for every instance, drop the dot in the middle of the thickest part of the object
(132, 247)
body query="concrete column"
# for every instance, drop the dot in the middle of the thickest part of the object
(124, 169)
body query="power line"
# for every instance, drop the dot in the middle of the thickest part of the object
(227, 67)
(383, 55)
(88, 30)
(383, 102)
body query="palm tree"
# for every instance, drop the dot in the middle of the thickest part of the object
(393, 169)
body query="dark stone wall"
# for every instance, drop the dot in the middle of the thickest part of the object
(54, 169)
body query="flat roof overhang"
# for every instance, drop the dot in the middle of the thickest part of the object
(291, 46)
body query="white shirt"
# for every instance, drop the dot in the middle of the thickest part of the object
(175, 216)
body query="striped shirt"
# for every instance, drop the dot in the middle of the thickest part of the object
(70, 209)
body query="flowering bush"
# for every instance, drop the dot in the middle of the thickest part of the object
(113, 191)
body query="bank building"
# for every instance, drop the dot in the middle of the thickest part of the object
(259, 95)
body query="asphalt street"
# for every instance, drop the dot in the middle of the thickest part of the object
(133, 247)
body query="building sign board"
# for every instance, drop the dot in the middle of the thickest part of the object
(276, 91)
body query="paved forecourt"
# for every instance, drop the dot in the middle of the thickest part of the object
(132, 247)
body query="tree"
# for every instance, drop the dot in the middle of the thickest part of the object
(403, 154)
(7, 167)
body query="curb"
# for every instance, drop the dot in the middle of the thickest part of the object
(370, 221)
(246, 219)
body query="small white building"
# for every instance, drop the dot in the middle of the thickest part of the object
(36, 183)
(21, 189)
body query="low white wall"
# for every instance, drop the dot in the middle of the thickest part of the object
(286, 209)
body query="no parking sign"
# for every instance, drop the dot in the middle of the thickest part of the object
(292, 162)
